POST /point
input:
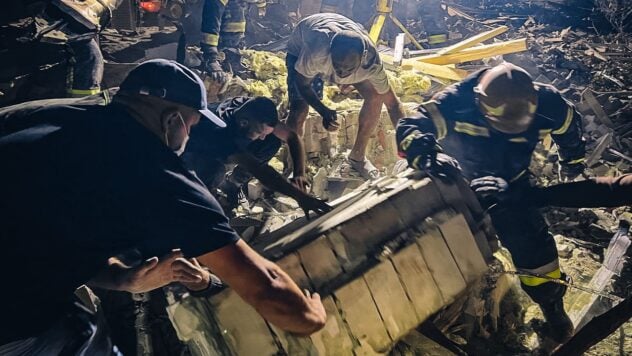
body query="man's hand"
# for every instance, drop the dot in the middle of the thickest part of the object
(191, 274)
(151, 274)
(330, 118)
(309, 203)
(568, 172)
(313, 299)
(300, 182)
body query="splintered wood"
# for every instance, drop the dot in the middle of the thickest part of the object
(384, 260)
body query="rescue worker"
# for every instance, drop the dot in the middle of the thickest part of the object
(333, 48)
(252, 137)
(433, 17)
(81, 184)
(223, 28)
(491, 122)
(85, 19)
(591, 193)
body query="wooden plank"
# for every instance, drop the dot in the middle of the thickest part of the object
(244, 330)
(418, 281)
(474, 40)
(334, 338)
(463, 246)
(595, 106)
(361, 314)
(476, 53)
(396, 310)
(587, 305)
(319, 262)
(440, 262)
(427, 68)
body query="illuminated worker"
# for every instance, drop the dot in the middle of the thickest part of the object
(333, 48)
(491, 123)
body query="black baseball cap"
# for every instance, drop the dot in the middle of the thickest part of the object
(171, 81)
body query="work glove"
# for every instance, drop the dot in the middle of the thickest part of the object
(211, 65)
(330, 119)
(568, 172)
(424, 153)
(490, 190)
(419, 149)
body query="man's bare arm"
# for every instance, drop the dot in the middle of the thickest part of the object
(276, 182)
(267, 288)
(297, 152)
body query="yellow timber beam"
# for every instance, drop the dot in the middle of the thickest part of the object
(434, 70)
(476, 53)
(376, 28)
(472, 41)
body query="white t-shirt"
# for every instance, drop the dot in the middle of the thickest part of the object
(310, 42)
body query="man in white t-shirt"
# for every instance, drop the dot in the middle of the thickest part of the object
(330, 47)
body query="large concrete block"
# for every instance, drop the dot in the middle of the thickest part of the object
(291, 264)
(241, 326)
(418, 282)
(441, 263)
(334, 338)
(362, 316)
(320, 263)
(395, 308)
(462, 244)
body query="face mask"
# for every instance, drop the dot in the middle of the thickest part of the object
(180, 150)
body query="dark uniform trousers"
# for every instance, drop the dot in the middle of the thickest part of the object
(224, 23)
(85, 71)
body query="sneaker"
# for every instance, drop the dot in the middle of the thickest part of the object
(365, 168)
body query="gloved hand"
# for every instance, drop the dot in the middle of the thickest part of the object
(330, 118)
(211, 65)
(568, 172)
(445, 167)
(420, 150)
(490, 190)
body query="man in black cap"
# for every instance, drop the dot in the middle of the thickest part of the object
(251, 139)
(81, 184)
(491, 122)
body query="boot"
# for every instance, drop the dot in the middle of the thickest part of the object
(550, 297)
(560, 326)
